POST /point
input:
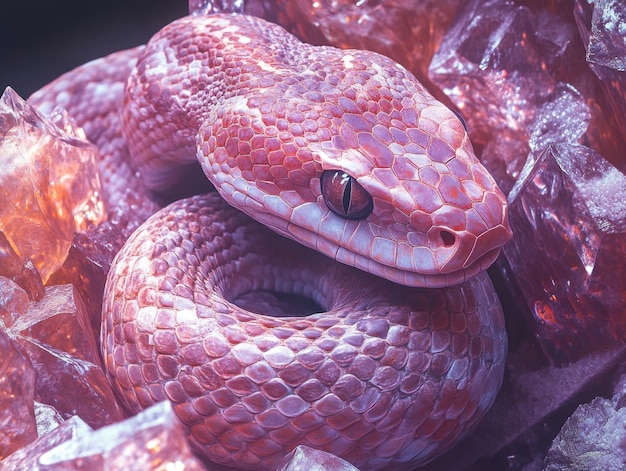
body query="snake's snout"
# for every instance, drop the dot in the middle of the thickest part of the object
(474, 245)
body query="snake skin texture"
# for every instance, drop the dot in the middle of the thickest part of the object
(343, 152)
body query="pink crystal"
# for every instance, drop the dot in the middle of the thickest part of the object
(153, 439)
(27, 458)
(20, 269)
(500, 63)
(568, 255)
(56, 335)
(310, 459)
(50, 184)
(17, 378)
(601, 27)
(408, 31)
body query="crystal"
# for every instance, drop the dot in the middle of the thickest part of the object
(304, 457)
(215, 6)
(56, 335)
(534, 400)
(48, 418)
(607, 43)
(153, 439)
(49, 184)
(20, 269)
(568, 254)
(17, 379)
(27, 458)
(501, 63)
(389, 28)
(593, 436)
(601, 27)
(13, 301)
(88, 263)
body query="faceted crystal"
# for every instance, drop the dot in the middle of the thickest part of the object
(304, 457)
(49, 184)
(27, 458)
(569, 212)
(153, 439)
(56, 335)
(593, 436)
(20, 269)
(88, 263)
(48, 418)
(601, 27)
(501, 63)
(607, 44)
(17, 379)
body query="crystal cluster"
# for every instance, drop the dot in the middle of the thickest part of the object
(545, 127)
(49, 187)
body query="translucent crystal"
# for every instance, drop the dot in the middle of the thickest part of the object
(601, 25)
(408, 31)
(55, 333)
(153, 439)
(49, 184)
(27, 458)
(501, 63)
(569, 212)
(310, 459)
(17, 378)
(20, 269)
(215, 6)
(607, 45)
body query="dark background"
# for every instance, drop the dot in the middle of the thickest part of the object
(41, 39)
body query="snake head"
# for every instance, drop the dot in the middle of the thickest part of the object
(414, 200)
(400, 195)
(343, 151)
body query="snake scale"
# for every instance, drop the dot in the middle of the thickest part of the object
(344, 152)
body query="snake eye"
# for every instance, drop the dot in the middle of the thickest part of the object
(345, 196)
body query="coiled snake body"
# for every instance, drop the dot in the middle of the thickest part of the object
(342, 151)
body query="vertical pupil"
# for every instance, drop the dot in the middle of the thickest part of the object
(346, 182)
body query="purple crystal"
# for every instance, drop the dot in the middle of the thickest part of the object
(17, 379)
(56, 335)
(601, 27)
(153, 438)
(568, 254)
(28, 457)
(500, 63)
(310, 459)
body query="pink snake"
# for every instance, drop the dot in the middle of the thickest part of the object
(343, 151)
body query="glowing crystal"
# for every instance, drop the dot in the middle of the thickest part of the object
(49, 184)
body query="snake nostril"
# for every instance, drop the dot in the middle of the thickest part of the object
(448, 238)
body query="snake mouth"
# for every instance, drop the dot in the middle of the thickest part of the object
(414, 278)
